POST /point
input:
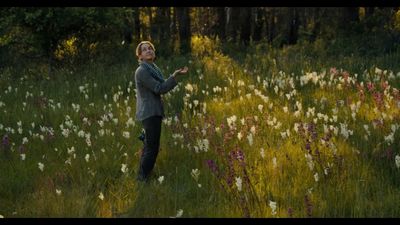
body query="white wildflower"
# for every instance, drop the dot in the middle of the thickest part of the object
(115, 120)
(41, 166)
(250, 139)
(161, 179)
(179, 213)
(87, 156)
(285, 109)
(260, 107)
(273, 207)
(68, 161)
(389, 138)
(124, 168)
(81, 133)
(71, 150)
(397, 160)
(378, 71)
(189, 87)
(195, 174)
(88, 141)
(262, 153)
(231, 121)
(65, 132)
(101, 196)
(239, 136)
(253, 130)
(274, 163)
(217, 129)
(239, 183)
(316, 177)
(203, 144)
(326, 170)
(126, 134)
(310, 162)
(130, 122)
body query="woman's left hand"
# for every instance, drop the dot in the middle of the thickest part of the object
(181, 71)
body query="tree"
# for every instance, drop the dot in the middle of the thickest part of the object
(39, 32)
(232, 23)
(245, 24)
(136, 24)
(220, 24)
(271, 24)
(258, 20)
(293, 26)
(183, 19)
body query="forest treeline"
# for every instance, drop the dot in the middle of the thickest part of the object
(75, 34)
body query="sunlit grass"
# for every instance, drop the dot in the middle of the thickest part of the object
(312, 145)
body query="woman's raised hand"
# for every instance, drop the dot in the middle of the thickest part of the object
(181, 71)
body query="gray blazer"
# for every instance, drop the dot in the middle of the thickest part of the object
(148, 94)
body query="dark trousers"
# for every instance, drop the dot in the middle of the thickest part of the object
(152, 127)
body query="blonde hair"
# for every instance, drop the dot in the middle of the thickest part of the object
(139, 47)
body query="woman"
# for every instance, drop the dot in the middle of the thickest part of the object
(150, 85)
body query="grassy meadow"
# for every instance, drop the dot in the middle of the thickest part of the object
(282, 133)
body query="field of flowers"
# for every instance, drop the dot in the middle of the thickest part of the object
(240, 139)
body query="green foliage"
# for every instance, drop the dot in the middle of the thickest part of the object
(41, 34)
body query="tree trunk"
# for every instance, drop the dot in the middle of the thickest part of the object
(245, 25)
(162, 23)
(350, 15)
(271, 24)
(316, 18)
(183, 18)
(232, 23)
(258, 19)
(221, 15)
(128, 29)
(136, 22)
(293, 26)
(152, 23)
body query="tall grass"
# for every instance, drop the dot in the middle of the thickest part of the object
(266, 133)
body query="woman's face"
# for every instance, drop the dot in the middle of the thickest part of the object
(147, 53)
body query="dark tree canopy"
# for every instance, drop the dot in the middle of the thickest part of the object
(73, 33)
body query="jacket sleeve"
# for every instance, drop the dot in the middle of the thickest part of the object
(152, 84)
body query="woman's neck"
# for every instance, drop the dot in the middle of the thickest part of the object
(147, 61)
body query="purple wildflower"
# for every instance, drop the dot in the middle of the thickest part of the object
(231, 171)
(213, 167)
(308, 146)
(312, 131)
(5, 141)
(22, 149)
(290, 212)
(309, 205)
(240, 155)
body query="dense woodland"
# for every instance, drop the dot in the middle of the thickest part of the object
(73, 35)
